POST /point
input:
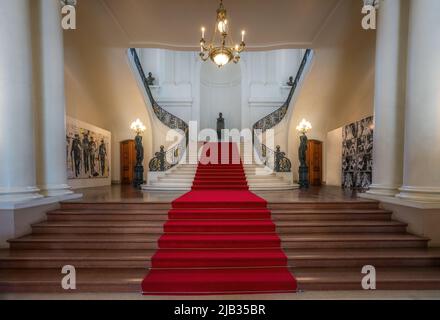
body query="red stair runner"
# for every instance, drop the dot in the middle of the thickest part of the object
(219, 237)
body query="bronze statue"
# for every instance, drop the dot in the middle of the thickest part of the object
(303, 168)
(150, 79)
(139, 168)
(220, 126)
(302, 150)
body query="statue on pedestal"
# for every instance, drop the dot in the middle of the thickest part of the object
(303, 168)
(220, 126)
(139, 168)
(150, 79)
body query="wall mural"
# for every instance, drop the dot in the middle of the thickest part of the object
(87, 151)
(357, 154)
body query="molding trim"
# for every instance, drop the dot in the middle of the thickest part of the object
(384, 190)
(192, 47)
(38, 202)
(420, 194)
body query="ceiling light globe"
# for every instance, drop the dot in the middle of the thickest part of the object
(221, 59)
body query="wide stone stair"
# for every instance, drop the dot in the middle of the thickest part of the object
(111, 246)
(181, 177)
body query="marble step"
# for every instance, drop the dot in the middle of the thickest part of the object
(156, 227)
(297, 258)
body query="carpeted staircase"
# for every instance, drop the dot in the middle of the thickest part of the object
(219, 237)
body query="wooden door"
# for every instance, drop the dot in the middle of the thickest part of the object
(314, 162)
(128, 161)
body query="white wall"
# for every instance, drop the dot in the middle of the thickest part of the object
(182, 81)
(333, 159)
(220, 91)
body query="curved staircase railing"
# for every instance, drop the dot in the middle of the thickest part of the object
(159, 161)
(273, 119)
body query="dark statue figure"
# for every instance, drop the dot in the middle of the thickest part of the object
(75, 153)
(281, 162)
(139, 168)
(85, 148)
(220, 126)
(150, 79)
(290, 83)
(303, 168)
(161, 158)
(92, 153)
(102, 154)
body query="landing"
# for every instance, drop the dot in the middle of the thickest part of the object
(119, 193)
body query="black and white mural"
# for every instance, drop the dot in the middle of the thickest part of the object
(357, 154)
(87, 151)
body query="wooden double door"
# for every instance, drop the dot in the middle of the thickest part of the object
(128, 161)
(314, 162)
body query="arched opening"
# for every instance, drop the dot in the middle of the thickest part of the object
(220, 92)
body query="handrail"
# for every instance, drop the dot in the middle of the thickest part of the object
(167, 118)
(159, 161)
(275, 159)
(281, 163)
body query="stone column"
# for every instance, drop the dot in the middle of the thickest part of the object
(50, 98)
(389, 99)
(421, 178)
(17, 132)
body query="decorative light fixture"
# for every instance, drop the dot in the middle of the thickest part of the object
(137, 126)
(221, 50)
(304, 126)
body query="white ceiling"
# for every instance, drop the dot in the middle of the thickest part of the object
(176, 24)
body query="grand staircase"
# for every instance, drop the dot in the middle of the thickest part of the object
(258, 177)
(111, 245)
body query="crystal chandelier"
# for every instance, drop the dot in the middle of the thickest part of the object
(221, 50)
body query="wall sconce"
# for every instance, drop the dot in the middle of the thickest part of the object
(304, 126)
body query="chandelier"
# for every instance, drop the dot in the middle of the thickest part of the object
(221, 50)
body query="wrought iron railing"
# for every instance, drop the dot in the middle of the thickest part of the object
(165, 160)
(167, 118)
(160, 161)
(272, 119)
(276, 159)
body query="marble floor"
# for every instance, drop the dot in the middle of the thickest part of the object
(127, 193)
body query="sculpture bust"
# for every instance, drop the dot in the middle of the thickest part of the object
(150, 79)
(220, 125)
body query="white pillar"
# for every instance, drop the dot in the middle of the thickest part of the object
(389, 99)
(422, 115)
(17, 134)
(50, 100)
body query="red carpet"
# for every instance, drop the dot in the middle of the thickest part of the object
(219, 238)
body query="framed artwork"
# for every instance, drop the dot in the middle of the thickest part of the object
(357, 154)
(87, 150)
